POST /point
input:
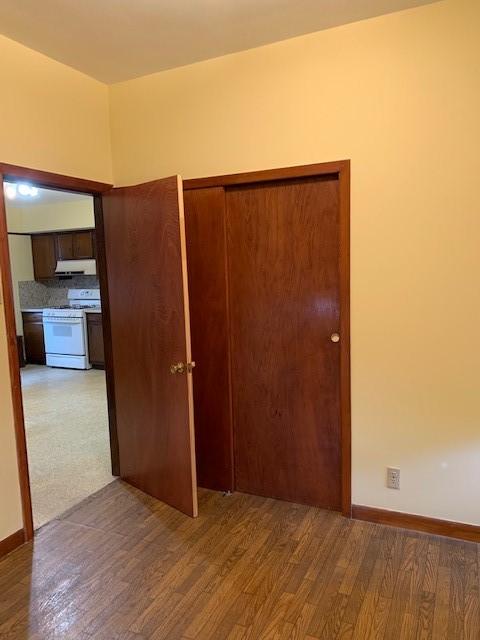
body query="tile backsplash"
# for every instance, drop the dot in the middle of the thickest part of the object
(52, 293)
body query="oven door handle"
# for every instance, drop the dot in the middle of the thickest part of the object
(57, 320)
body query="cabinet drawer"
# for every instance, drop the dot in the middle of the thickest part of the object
(33, 338)
(95, 340)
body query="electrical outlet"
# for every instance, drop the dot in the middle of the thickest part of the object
(393, 478)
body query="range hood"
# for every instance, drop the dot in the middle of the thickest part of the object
(76, 268)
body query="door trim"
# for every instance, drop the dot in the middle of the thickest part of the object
(341, 169)
(53, 181)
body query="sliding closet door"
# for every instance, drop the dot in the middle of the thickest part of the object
(205, 227)
(283, 246)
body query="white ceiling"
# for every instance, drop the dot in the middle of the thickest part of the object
(115, 40)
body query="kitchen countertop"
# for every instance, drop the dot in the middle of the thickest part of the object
(40, 309)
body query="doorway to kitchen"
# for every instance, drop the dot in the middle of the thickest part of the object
(52, 247)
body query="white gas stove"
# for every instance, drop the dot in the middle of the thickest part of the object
(65, 330)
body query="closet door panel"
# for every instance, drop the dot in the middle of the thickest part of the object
(205, 230)
(283, 245)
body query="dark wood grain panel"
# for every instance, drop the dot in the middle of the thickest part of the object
(64, 246)
(33, 338)
(283, 251)
(53, 180)
(44, 256)
(11, 542)
(435, 526)
(99, 239)
(281, 173)
(83, 245)
(146, 265)
(205, 227)
(96, 351)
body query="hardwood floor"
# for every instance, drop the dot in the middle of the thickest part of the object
(122, 566)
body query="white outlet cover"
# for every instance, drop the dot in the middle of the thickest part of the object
(393, 478)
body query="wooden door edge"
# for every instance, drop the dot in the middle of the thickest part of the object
(14, 372)
(188, 343)
(102, 272)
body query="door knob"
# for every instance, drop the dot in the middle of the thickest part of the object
(335, 337)
(181, 367)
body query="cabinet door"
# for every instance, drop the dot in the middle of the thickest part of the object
(95, 339)
(33, 338)
(44, 258)
(64, 242)
(83, 245)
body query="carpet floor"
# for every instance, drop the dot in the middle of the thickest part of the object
(68, 447)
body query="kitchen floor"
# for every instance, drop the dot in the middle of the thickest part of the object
(66, 423)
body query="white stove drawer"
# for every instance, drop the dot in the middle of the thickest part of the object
(65, 336)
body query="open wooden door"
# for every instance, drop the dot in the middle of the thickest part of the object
(150, 328)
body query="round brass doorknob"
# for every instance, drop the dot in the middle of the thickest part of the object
(335, 337)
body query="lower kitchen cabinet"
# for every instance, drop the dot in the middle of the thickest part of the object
(95, 340)
(33, 337)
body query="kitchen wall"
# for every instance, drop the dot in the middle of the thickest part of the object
(21, 265)
(398, 95)
(34, 217)
(55, 119)
(52, 293)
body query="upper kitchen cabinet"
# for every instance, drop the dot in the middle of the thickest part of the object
(64, 246)
(47, 248)
(44, 256)
(76, 245)
(83, 245)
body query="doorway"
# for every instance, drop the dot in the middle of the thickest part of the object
(58, 321)
(64, 431)
(149, 366)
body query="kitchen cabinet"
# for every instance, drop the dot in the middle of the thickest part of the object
(83, 245)
(64, 246)
(47, 248)
(33, 337)
(75, 245)
(95, 340)
(44, 256)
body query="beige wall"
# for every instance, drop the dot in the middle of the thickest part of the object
(21, 265)
(55, 119)
(399, 95)
(53, 216)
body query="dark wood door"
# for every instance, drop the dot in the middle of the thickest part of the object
(205, 226)
(144, 235)
(283, 245)
(64, 244)
(83, 245)
(33, 338)
(44, 257)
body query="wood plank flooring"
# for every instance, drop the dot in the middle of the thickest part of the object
(122, 566)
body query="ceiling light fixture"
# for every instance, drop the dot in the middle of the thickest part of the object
(12, 189)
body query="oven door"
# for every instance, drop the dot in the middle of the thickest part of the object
(64, 336)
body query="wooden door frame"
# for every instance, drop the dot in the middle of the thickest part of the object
(65, 183)
(341, 169)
